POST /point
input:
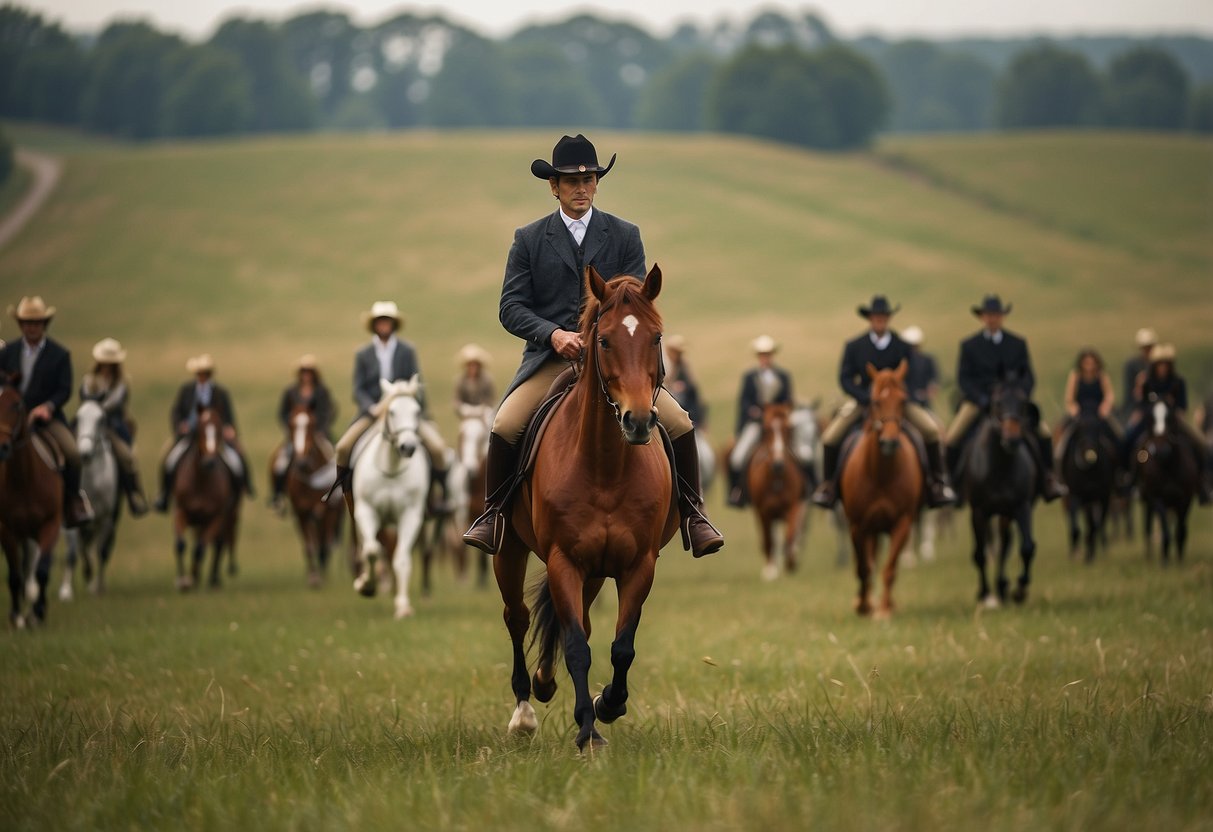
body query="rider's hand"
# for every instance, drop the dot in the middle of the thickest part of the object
(1072, 409)
(41, 413)
(183, 428)
(229, 433)
(566, 344)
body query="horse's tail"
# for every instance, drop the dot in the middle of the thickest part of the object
(545, 625)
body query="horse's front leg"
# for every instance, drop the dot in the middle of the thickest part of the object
(567, 587)
(1073, 528)
(184, 579)
(1094, 514)
(1027, 551)
(1004, 552)
(407, 529)
(42, 569)
(864, 546)
(66, 592)
(981, 532)
(367, 522)
(770, 569)
(215, 537)
(793, 527)
(633, 590)
(14, 556)
(509, 566)
(897, 541)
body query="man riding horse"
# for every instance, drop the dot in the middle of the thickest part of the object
(310, 391)
(881, 348)
(541, 299)
(991, 357)
(45, 370)
(203, 392)
(760, 386)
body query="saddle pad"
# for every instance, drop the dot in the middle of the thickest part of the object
(49, 451)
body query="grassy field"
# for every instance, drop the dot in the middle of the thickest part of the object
(754, 705)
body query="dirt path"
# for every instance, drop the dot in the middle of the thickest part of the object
(46, 171)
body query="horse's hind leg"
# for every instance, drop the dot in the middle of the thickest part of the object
(1181, 529)
(770, 569)
(792, 528)
(367, 525)
(981, 531)
(1004, 552)
(510, 568)
(1027, 552)
(865, 555)
(66, 592)
(633, 590)
(897, 541)
(14, 555)
(1092, 511)
(408, 528)
(1072, 525)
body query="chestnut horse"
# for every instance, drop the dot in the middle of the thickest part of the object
(307, 479)
(31, 503)
(207, 500)
(882, 486)
(599, 504)
(777, 491)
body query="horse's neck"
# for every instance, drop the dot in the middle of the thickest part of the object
(597, 428)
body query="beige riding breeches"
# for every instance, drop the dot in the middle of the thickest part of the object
(851, 412)
(427, 431)
(968, 413)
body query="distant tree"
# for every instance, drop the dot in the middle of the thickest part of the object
(832, 98)
(281, 98)
(321, 46)
(1200, 109)
(936, 89)
(473, 89)
(127, 81)
(209, 93)
(1046, 86)
(548, 89)
(42, 68)
(675, 97)
(358, 113)
(1146, 87)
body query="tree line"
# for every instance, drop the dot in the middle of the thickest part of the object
(786, 78)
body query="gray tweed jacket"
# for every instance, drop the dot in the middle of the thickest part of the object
(543, 285)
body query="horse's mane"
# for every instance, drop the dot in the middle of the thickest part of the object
(624, 289)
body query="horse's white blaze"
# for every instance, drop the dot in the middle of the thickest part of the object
(300, 433)
(1160, 418)
(778, 449)
(631, 323)
(209, 438)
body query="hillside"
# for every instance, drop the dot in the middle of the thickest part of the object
(261, 250)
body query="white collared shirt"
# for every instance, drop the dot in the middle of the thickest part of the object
(996, 337)
(384, 351)
(202, 393)
(29, 357)
(585, 223)
(881, 342)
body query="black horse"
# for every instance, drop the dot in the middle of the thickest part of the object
(1000, 482)
(1088, 468)
(1168, 477)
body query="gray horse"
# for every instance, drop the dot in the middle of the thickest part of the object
(99, 479)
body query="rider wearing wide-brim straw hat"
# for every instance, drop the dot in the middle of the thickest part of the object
(541, 300)
(44, 369)
(108, 385)
(1134, 368)
(680, 381)
(390, 358)
(474, 385)
(762, 385)
(203, 391)
(307, 390)
(883, 349)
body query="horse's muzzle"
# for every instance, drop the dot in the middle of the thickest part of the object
(888, 447)
(635, 431)
(407, 449)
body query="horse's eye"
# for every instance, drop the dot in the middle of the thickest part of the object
(602, 342)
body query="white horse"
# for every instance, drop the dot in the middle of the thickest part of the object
(99, 479)
(475, 426)
(390, 483)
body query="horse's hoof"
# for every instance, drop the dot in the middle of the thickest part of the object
(31, 590)
(770, 572)
(606, 715)
(185, 584)
(65, 593)
(884, 612)
(523, 721)
(1020, 595)
(544, 691)
(403, 611)
(594, 742)
(17, 621)
(990, 602)
(863, 607)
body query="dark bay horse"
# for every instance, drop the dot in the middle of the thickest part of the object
(207, 501)
(776, 488)
(31, 504)
(1088, 468)
(1000, 482)
(882, 486)
(1167, 477)
(599, 504)
(307, 479)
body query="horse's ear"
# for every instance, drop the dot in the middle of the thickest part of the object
(412, 385)
(595, 283)
(900, 372)
(199, 407)
(652, 283)
(385, 387)
(871, 370)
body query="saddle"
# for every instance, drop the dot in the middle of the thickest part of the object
(48, 450)
(852, 439)
(538, 425)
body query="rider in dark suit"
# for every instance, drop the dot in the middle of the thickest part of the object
(183, 418)
(762, 385)
(541, 299)
(988, 358)
(45, 370)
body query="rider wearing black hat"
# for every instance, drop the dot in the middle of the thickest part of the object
(988, 358)
(883, 349)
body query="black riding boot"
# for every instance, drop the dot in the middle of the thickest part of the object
(128, 481)
(344, 480)
(166, 489)
(827, 493)
(278, 490)
(736, 495)
(76, 508)
(487, 532)
(940, 492)
(1046, 477)
(246, 479)
(439, 498)
(698, 533)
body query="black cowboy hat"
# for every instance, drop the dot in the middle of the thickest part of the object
(880, 306)
(992, 304)
(572, 154)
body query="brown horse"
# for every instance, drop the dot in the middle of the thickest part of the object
(1168, 478)
(882, 486)
(307, 479)
(599, 504)
(31, 503)
(207, 500)
(777, 491)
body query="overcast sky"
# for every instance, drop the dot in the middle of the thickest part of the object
(198, 18)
